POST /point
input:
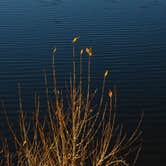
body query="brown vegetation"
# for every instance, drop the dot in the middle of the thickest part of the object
(75, 132)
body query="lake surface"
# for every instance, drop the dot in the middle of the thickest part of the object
(128, 37)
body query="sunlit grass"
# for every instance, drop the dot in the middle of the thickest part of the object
(75, 132)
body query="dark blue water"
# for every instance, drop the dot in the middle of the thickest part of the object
(128, 37)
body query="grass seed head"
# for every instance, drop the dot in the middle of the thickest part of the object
(54, 50)
(82, 51)
(75, 39)
(110, 93)
(106, 73)
(89, 51)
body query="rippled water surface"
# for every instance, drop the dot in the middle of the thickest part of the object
(128, 37)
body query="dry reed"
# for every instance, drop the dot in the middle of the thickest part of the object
(76, 133)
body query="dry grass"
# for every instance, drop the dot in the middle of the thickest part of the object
(75, 132)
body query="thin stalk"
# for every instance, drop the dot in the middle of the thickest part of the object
(74, 69)
(80, 81)
(73, 112)
(88, 88)
(48, 103)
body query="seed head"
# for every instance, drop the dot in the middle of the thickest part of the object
(54, 50)
(75, 39)
(53, 58)
(110, 93)
(106, 73)
(82, 51)
(89, 51)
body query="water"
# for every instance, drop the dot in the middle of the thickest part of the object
(128, 37)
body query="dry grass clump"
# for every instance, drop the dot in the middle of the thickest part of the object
(75, 132)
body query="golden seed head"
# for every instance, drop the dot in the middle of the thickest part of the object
(106, 73)
(75, 39)
(89, 51)
(110, 93)
(54, 50)
(82, 51)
